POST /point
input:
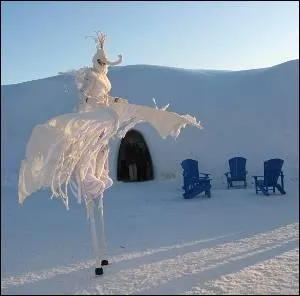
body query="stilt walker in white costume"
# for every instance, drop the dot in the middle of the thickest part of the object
(74, 148)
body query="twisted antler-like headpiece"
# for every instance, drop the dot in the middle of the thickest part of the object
(99, 39)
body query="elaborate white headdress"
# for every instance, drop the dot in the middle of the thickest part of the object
(99, 40)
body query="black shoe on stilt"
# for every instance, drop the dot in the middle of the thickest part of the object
(104, 262)
(98, 271)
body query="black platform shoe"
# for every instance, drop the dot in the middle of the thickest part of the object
(98, 271)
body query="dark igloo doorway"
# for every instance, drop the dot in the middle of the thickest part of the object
(134, 159)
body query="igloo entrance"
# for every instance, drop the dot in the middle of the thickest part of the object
(134, 160)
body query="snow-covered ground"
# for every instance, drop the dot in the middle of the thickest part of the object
(236, 242)
(158, 243)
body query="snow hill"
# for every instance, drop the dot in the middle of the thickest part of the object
(251, 113)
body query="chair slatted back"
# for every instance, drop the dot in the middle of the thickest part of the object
(237, 167)
(272, 170)
(190, 170)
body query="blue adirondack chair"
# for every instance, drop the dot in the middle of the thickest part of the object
(237, 166)
(269, 181)
(193, 184)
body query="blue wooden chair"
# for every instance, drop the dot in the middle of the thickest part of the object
(193, 184)
(237, 166)
(269, 181)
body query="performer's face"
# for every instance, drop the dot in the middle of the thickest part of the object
(97, 62)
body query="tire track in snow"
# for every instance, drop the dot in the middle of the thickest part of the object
(32, 277)
(279, 275)
(144, 277)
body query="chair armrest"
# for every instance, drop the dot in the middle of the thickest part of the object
(255, 177)
(204, 179)
(206, 175)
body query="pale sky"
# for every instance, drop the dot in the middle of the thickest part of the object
(41, 38)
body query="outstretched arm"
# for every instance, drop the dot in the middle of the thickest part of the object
(119, 61)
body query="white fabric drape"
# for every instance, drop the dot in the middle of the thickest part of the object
(74, 148)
